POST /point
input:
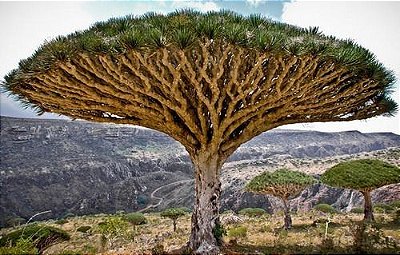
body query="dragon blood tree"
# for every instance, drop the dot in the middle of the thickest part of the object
(363, 175)
(210, 81)
(282, 183)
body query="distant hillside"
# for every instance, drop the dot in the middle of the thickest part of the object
(83, 168)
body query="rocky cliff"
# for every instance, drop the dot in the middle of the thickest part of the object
(84, 168)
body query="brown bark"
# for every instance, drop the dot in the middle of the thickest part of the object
(288, 218)
(368, 211)
(205, 217)
(174, 222)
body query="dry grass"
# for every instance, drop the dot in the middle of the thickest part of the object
(263, 235)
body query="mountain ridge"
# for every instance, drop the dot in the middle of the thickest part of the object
(83, 168)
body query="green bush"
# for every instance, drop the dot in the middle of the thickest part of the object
(253, 212)
(357, 210)
(83, 229)
(219, 232)
(41, 236)
(395, 204)
(112, 227)
(325, 208)
(237, 232)
(61, 221)
(383, 208)
(135, 218)
(185, 209)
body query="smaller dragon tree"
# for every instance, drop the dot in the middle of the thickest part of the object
(173, 214)
(363, 175)
(282, 183)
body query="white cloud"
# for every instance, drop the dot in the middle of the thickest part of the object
(374, 25)
(196, 5)
(253, 2)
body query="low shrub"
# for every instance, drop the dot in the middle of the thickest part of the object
(41, 236)
(83, 229)
(325, 208)
(237, 232)
(185, 209)
(357, 210)
(396, 218)
(61, 221)
(253, 212)
(113, 227)
(383, 208)
(395, 204)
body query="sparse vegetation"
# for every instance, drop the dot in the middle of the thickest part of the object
(252, 235)
(253, 212)
(357, 210)
(325, 208)
(61, 221)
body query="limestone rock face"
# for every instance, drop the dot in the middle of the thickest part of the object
(83, 168)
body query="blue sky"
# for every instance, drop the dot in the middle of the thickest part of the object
(26, 25)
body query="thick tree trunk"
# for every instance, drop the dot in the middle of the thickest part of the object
(368, 212)
(205, 217)
(288, 219)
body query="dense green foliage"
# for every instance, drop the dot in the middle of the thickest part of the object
(135, 218)
(325, 208)
(185, 28)
(173, 213)
(40, 236)
(253, 212)
(280, 179)
(363, 174)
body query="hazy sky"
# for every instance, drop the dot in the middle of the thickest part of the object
(24, 26)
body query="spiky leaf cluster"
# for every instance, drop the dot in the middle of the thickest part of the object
(184, 28)
(282, 183)
(362, 175)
